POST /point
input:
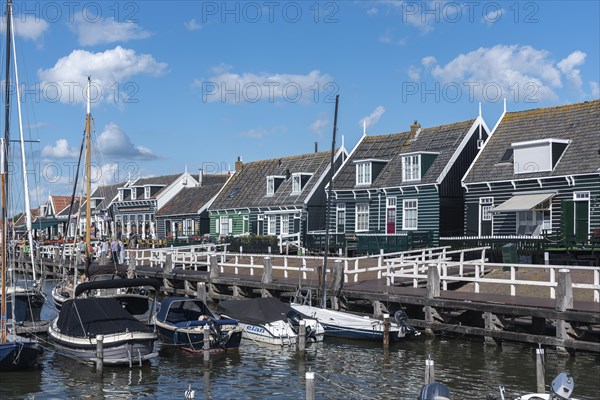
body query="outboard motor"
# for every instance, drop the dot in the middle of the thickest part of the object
(402, 319)
(294, 318)
(434, 391)
(562, 387)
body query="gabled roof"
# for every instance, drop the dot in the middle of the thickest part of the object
(65, 211)
(163, 181)
(578, 122)
(248, 187)
(59, 203)
(192, 199)
(107, 193)
(442, 140)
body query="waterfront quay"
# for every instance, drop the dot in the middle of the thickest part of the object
(441, 290)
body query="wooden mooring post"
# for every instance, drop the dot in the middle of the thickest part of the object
(99, 353)
(429, 371)
(302, 336)
(386, 331)
(206, 347)
(310, 385)
(564, 301)
(433, 291)
(540, 370)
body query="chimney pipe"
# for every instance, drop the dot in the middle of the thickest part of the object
(239, 164)
(200, 176)
(316, 147)
(415, 129)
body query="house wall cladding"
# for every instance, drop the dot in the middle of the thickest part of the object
(505, 223)
(201, 222)
(428, 214)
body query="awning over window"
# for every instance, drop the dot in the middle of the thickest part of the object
(522, 202)
(41, 224)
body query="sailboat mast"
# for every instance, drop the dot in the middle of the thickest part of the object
(4, 174)
(328, 205)
(23, 162)
(88, 171)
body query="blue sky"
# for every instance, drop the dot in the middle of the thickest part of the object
(198, 83)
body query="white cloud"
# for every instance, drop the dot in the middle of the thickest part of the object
(319, 124)
(27, 26)
(61, 149)
(595, 88)
(371, 12)
(114, 143)
(255, 133)
(567, 66)
(414, 73)
(386, 37)
(415, 13)
(107, 30)
(372, 118)
(428, 61)
(248, 87)
(519, 72)
(192, 25)
(110, 70)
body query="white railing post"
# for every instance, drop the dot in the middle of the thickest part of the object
(513, 277)
(356, 270)
(596, 283)
(251, 265)
(285, 267)
(477, 278)
(552, 281)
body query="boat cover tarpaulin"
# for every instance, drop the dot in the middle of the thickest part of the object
(255, 311)
(96, 316)
(104, 269)
(117, 283)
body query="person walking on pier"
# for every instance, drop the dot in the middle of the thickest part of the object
(114, 248)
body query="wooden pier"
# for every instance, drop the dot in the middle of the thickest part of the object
(442, 291)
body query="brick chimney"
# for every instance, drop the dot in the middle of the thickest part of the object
(239, 164)
(415, 129)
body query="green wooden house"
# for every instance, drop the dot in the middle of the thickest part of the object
(396, 188)
(539, 173)
(281, 197)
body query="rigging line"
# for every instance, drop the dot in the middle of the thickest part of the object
(73, 196)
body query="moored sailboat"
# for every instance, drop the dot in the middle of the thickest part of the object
(15, 352)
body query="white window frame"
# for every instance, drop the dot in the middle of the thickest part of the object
(411, 168)
(410, 205)
(364, 173)
(133, 194)
(296, 183)
(391, 202)
(581, 196)
(147, 192)
(362, 217)
(270, 185)
(271, 224)
(121, 195)
(487, 203)
(339, 208)
(224, 225)
(285, 224)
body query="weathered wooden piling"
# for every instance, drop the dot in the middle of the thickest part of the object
(206, 347)
(99, 353)
(564, 301)
(302, 335)
(386, 331)
(310, 385)
(433, 291)
(429, 371)
(214, 266)
(267, 276)
(201, 291)
(540, 370)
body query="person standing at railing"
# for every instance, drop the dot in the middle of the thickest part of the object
(114, 248)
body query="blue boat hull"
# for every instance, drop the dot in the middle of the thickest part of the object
(195, 341)
(18, 355)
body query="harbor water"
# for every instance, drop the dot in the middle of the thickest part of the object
(343, 370)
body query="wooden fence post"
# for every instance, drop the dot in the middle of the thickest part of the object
(214, 266)
(267, 276)
(433, 281)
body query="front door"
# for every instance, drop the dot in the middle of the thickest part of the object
(485, 216)
(575, 219)
(390, 216)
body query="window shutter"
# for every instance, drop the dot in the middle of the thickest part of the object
(230, 226)
(567, 215)
(217, 224)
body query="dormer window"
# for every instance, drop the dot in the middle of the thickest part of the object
(121, 195)
(411, 168)
(273, 182)
(147, 192)
(299, 180)
(270, 186)
(538, 155)
(133, 194)
(363, 173)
